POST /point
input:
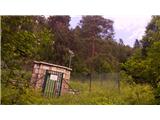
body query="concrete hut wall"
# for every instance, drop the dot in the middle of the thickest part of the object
(39, 71)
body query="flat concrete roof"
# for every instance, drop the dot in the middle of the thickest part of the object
(54, 65)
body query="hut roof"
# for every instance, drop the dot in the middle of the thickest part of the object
(54, 65)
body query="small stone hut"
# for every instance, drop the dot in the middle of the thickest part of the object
(50, 78)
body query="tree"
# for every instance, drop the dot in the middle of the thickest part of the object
(97, 26)
(143, 66)
(121, 42)
(153, 61)
(137, 44)
(18, 39)
(145, 70)
(63, 38)
(45, 40)
(101, 64)
(93, 29)
(23, 39)
(152, 34)
(84, 40)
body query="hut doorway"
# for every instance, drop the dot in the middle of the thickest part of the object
(52, 83)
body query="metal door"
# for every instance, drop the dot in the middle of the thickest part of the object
(52, 84)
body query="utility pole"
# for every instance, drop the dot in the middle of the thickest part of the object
(92, 56)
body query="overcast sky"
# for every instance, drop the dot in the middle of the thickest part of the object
(127, 28)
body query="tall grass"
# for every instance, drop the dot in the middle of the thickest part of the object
(105, 93)
(108, 94)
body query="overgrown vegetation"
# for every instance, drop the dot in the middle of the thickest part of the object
(144, 65)
(29, 38)
(100, 95)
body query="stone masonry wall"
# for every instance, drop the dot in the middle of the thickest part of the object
(38, 75)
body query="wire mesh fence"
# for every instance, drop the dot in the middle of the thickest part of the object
(104, 80)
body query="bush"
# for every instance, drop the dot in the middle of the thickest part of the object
(137, 94)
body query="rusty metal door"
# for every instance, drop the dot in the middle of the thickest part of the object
(52, 84)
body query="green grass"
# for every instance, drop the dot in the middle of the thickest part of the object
(106, 94)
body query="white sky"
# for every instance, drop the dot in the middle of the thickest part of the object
(127, 27)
